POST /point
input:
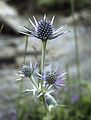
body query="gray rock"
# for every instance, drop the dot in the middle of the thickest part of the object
(10, 18)
(85, 17)
(8, 54)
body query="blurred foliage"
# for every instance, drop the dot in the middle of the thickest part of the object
(42, 6)
(65, 3)
(78, 3)
(48, 2)
(79, 110)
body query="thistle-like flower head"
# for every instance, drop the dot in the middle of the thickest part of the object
(44, 29)
(53, 77)
(27, 71)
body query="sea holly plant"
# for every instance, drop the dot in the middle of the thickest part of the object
(46, 80)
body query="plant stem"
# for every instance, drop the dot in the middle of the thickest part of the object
(21, 82)
(1, 28)
(26, 44)
(43, 55)
(43, 59)
(42, 68)
(33, 81)
(76, 42)
(18, 98)
(76, 48)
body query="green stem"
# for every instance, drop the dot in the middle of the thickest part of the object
(21, 83)
(76, 48)
(18, 98)
(1, 28)
(76, 42)
(43, 55)
(26, 44)
(43, 59)
(33, 81)
(42, 68)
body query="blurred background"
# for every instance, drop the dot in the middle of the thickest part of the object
(72, 52)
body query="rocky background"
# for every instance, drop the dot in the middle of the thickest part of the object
(61, 51)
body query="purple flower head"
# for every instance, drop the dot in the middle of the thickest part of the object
(53, 77)
(27, 71)
(44, 29)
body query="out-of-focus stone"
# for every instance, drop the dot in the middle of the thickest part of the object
(10, 18)
(7, 52)
(85, 17)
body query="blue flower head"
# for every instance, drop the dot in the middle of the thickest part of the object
(53, 77)
(44, 29)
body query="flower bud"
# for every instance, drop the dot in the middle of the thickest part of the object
(27, 71)
(50, 101)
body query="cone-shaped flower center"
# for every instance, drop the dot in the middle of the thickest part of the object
(44, 30)
(51, 78)
(26, 71)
